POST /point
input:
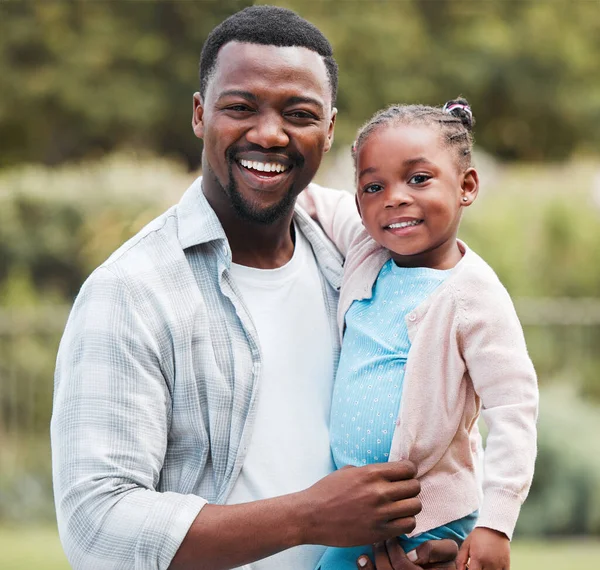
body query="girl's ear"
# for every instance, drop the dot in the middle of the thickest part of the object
(197, 115)
(469, 186)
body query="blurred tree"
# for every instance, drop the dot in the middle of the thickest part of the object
(79, 78)
(531, 70)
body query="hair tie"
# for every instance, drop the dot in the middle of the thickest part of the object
(354, 145)
(449, 107)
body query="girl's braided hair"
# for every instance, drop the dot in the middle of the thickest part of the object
(455, 121)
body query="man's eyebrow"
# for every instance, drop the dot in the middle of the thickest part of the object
(238, 93)
(309, 100)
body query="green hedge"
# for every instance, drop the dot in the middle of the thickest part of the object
(56, 225)
(565, 495)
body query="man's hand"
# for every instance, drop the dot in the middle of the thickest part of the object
(433, 554)
(484, 549)
(362, 505)
(352, 506)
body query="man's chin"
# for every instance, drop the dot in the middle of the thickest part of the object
(263, 216)
(259, 213)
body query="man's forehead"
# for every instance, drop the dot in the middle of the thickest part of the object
(237, 59)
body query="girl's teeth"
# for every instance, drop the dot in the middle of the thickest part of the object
(404, 224)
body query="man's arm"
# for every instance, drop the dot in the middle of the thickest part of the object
(110, 424)
(109, 432)
(355, 505)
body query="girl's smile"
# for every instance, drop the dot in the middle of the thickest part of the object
(411, 193)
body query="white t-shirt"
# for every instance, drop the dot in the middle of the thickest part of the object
(289, 449)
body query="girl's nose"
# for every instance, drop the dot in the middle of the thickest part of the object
(396, 196)
(268, 131)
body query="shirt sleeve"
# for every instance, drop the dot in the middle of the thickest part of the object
(109, 430)
(504, 378)
(335, 211)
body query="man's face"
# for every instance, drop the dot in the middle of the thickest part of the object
(266, 120)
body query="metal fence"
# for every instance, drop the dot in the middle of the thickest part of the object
(563, 337)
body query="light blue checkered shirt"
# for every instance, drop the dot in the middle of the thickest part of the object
(155, 389)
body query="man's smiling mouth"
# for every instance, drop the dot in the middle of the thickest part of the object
(270, 167)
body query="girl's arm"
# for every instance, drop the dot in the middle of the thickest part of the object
(336, 213)
(504, 378)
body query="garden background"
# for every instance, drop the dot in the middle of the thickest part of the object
(95, 140)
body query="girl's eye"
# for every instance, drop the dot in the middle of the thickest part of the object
(372, 188)
(419, 179)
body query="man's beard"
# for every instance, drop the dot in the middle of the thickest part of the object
(248, 211)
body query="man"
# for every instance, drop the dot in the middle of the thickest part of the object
(193, 379)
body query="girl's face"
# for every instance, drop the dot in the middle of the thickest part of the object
(411, 192)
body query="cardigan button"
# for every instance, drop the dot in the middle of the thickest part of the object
(412, 317)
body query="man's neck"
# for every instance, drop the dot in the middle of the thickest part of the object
(264, 246)
(261, 246)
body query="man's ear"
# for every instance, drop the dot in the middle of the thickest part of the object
(357, 204)
(197, 116)
(329, 141)
(469, 186)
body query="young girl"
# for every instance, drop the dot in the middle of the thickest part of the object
(430, 337)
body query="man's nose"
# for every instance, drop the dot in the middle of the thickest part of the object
(397, 195)
(268, 131)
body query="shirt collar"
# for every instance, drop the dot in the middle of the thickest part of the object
(197, 221)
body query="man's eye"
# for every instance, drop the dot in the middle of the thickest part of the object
(300, 115)
(419, 179)
(238, 108)
(372, 188)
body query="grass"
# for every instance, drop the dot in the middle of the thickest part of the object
(556, 555)
(34, 548)
(31, 548)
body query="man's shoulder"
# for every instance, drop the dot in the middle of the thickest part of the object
(148, 276)
(154, 245)
(158, 249)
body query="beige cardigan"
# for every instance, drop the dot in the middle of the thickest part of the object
(468, 355)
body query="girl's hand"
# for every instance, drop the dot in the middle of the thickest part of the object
(433, 555)
(484, 549)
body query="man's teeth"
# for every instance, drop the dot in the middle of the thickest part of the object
(405, 224)
(263, 166)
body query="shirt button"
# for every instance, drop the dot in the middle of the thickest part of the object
(412, 317)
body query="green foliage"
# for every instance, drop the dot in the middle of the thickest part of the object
(57, 225)
(531, 70)
(565, 495)
(80, 78)
(540, 239)
(540, 236)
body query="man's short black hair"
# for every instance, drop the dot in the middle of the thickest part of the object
(271, 26)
